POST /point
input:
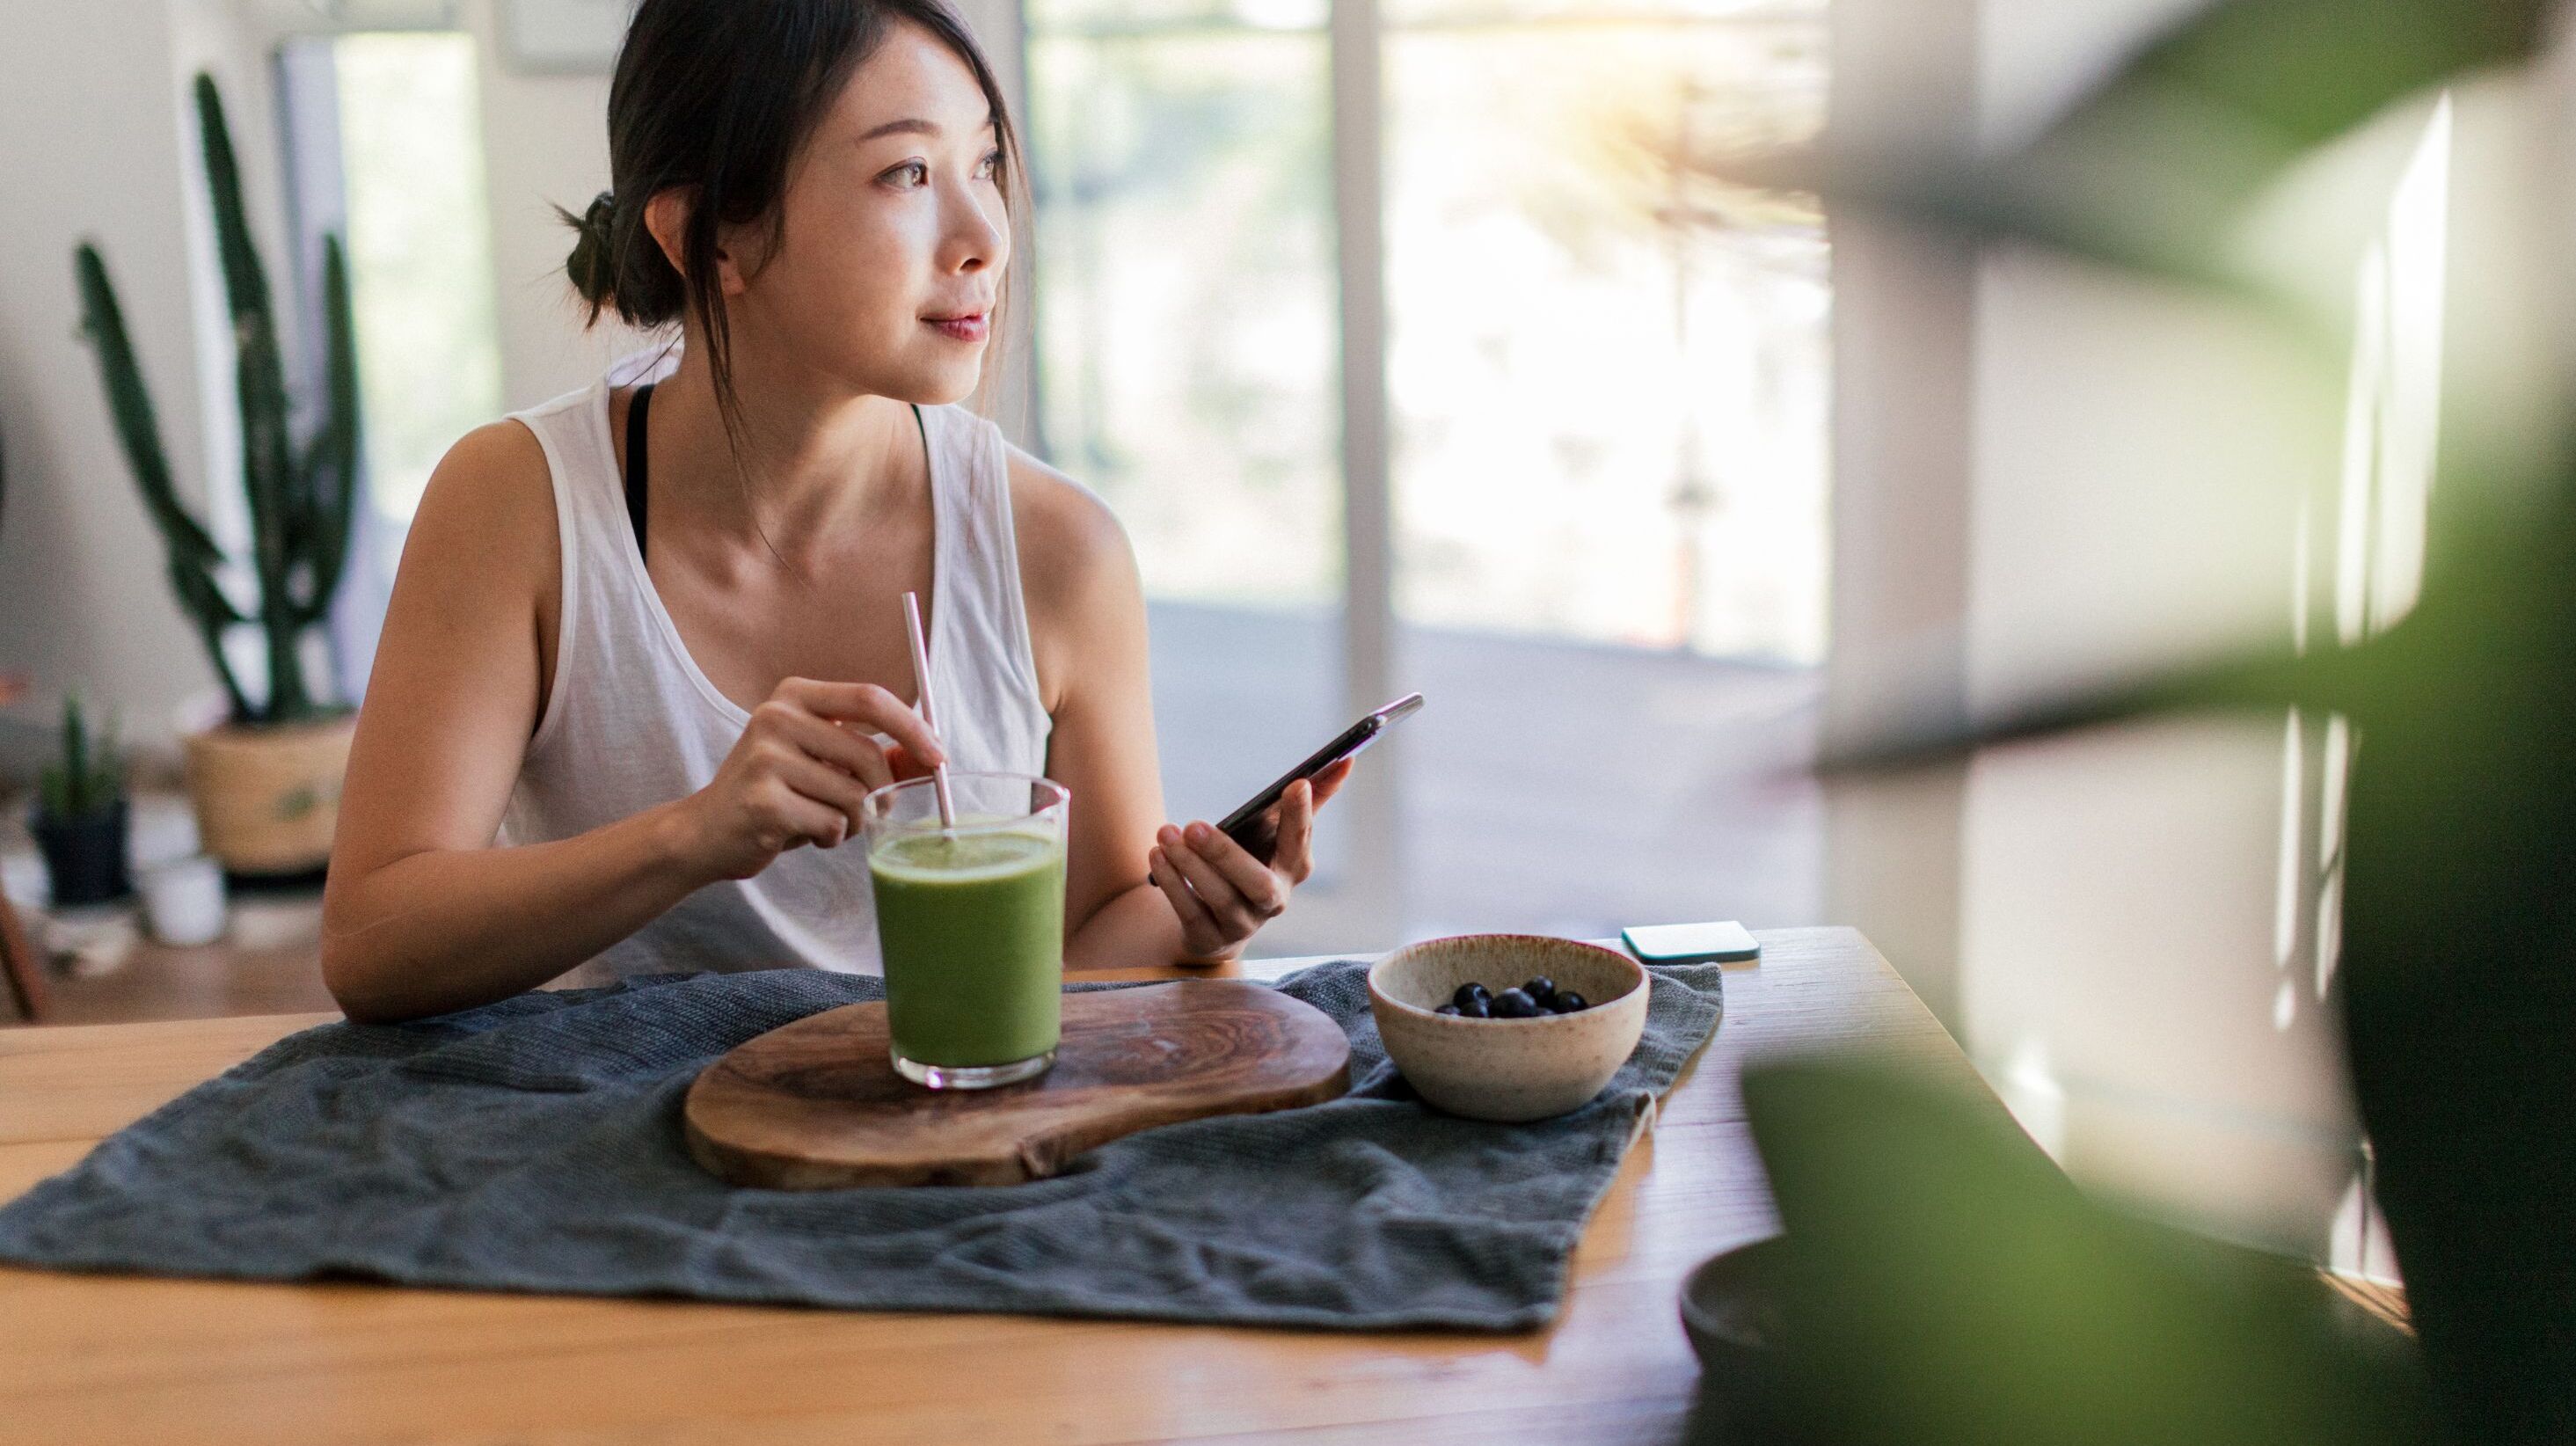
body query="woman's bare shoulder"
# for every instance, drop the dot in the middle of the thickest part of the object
(494, 478)
(1070, 542)
(1077, 571)
(490, 508)
(483, 559)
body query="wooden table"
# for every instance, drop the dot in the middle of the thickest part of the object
(92, 1359)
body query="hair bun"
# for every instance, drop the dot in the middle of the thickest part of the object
(592, 266)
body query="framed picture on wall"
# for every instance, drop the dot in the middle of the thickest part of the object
(338, 17)
(563, 36)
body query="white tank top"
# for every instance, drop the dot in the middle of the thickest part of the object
(631, 721)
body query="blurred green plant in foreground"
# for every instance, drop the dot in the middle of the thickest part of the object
(1948, 1286)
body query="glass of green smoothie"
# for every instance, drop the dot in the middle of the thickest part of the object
(970, 922)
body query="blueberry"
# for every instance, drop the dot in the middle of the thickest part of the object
(1515, 1004)
(1567, 1001)
(1470, 990)
(1474, 1007)
(1446, 1009)
(1541, 989)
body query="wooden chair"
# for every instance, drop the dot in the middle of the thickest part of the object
(19, 960)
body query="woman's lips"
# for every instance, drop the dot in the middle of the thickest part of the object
(969, 327)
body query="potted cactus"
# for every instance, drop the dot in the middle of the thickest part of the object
(80, 815)
(266, 781)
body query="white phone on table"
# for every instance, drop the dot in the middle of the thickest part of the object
(1723, 942)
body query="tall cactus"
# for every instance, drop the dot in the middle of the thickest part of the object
(301, 498)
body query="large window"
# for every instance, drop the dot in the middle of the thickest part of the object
(1606, 386)
(1607, 378)
(1185, 289)
(420, 252)
(384, 147)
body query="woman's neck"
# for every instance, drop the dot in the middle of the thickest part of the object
(811, 460)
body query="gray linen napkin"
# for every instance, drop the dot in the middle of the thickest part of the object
(535, 1145)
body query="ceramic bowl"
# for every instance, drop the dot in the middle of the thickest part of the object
(1507, 1069)
(1729, 1306)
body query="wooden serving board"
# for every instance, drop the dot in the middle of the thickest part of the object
(817, 1105)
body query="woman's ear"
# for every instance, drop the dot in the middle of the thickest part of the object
(728, 268)
(738, 253)
(666, 216)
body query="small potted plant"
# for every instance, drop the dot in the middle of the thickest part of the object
(80, 816)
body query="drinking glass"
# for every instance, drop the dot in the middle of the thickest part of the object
(970, 921)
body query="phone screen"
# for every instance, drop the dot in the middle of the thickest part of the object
(1253, 825)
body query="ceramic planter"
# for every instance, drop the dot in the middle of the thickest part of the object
(84, 855)
(268, 798)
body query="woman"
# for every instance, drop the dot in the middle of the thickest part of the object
(645, 654)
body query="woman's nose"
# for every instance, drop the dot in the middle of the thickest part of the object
(978, 234)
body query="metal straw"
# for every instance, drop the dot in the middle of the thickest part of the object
(929, 714)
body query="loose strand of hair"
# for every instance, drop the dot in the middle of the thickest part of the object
(706, 298)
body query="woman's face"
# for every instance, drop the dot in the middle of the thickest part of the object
(894, 235)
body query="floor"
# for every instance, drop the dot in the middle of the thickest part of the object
(1547, 787)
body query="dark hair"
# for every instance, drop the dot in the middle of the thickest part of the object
(718, 97)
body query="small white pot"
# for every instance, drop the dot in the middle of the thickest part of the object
(183, 900)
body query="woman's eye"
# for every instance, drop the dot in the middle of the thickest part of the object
(910, 172)
(992, 163)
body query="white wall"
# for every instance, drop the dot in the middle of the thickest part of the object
(2142, 461)
(2047, 475)
(1904, 323)
(97, 140)
(545, 144)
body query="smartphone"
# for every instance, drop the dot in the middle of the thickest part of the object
(1254, 826)
(1690, 943)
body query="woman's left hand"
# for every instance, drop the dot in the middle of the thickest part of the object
(1221, 893)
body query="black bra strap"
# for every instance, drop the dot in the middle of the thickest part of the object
(635, 471)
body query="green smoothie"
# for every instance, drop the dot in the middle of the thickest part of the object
(972, 929)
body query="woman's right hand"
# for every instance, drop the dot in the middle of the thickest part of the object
(799, 770)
